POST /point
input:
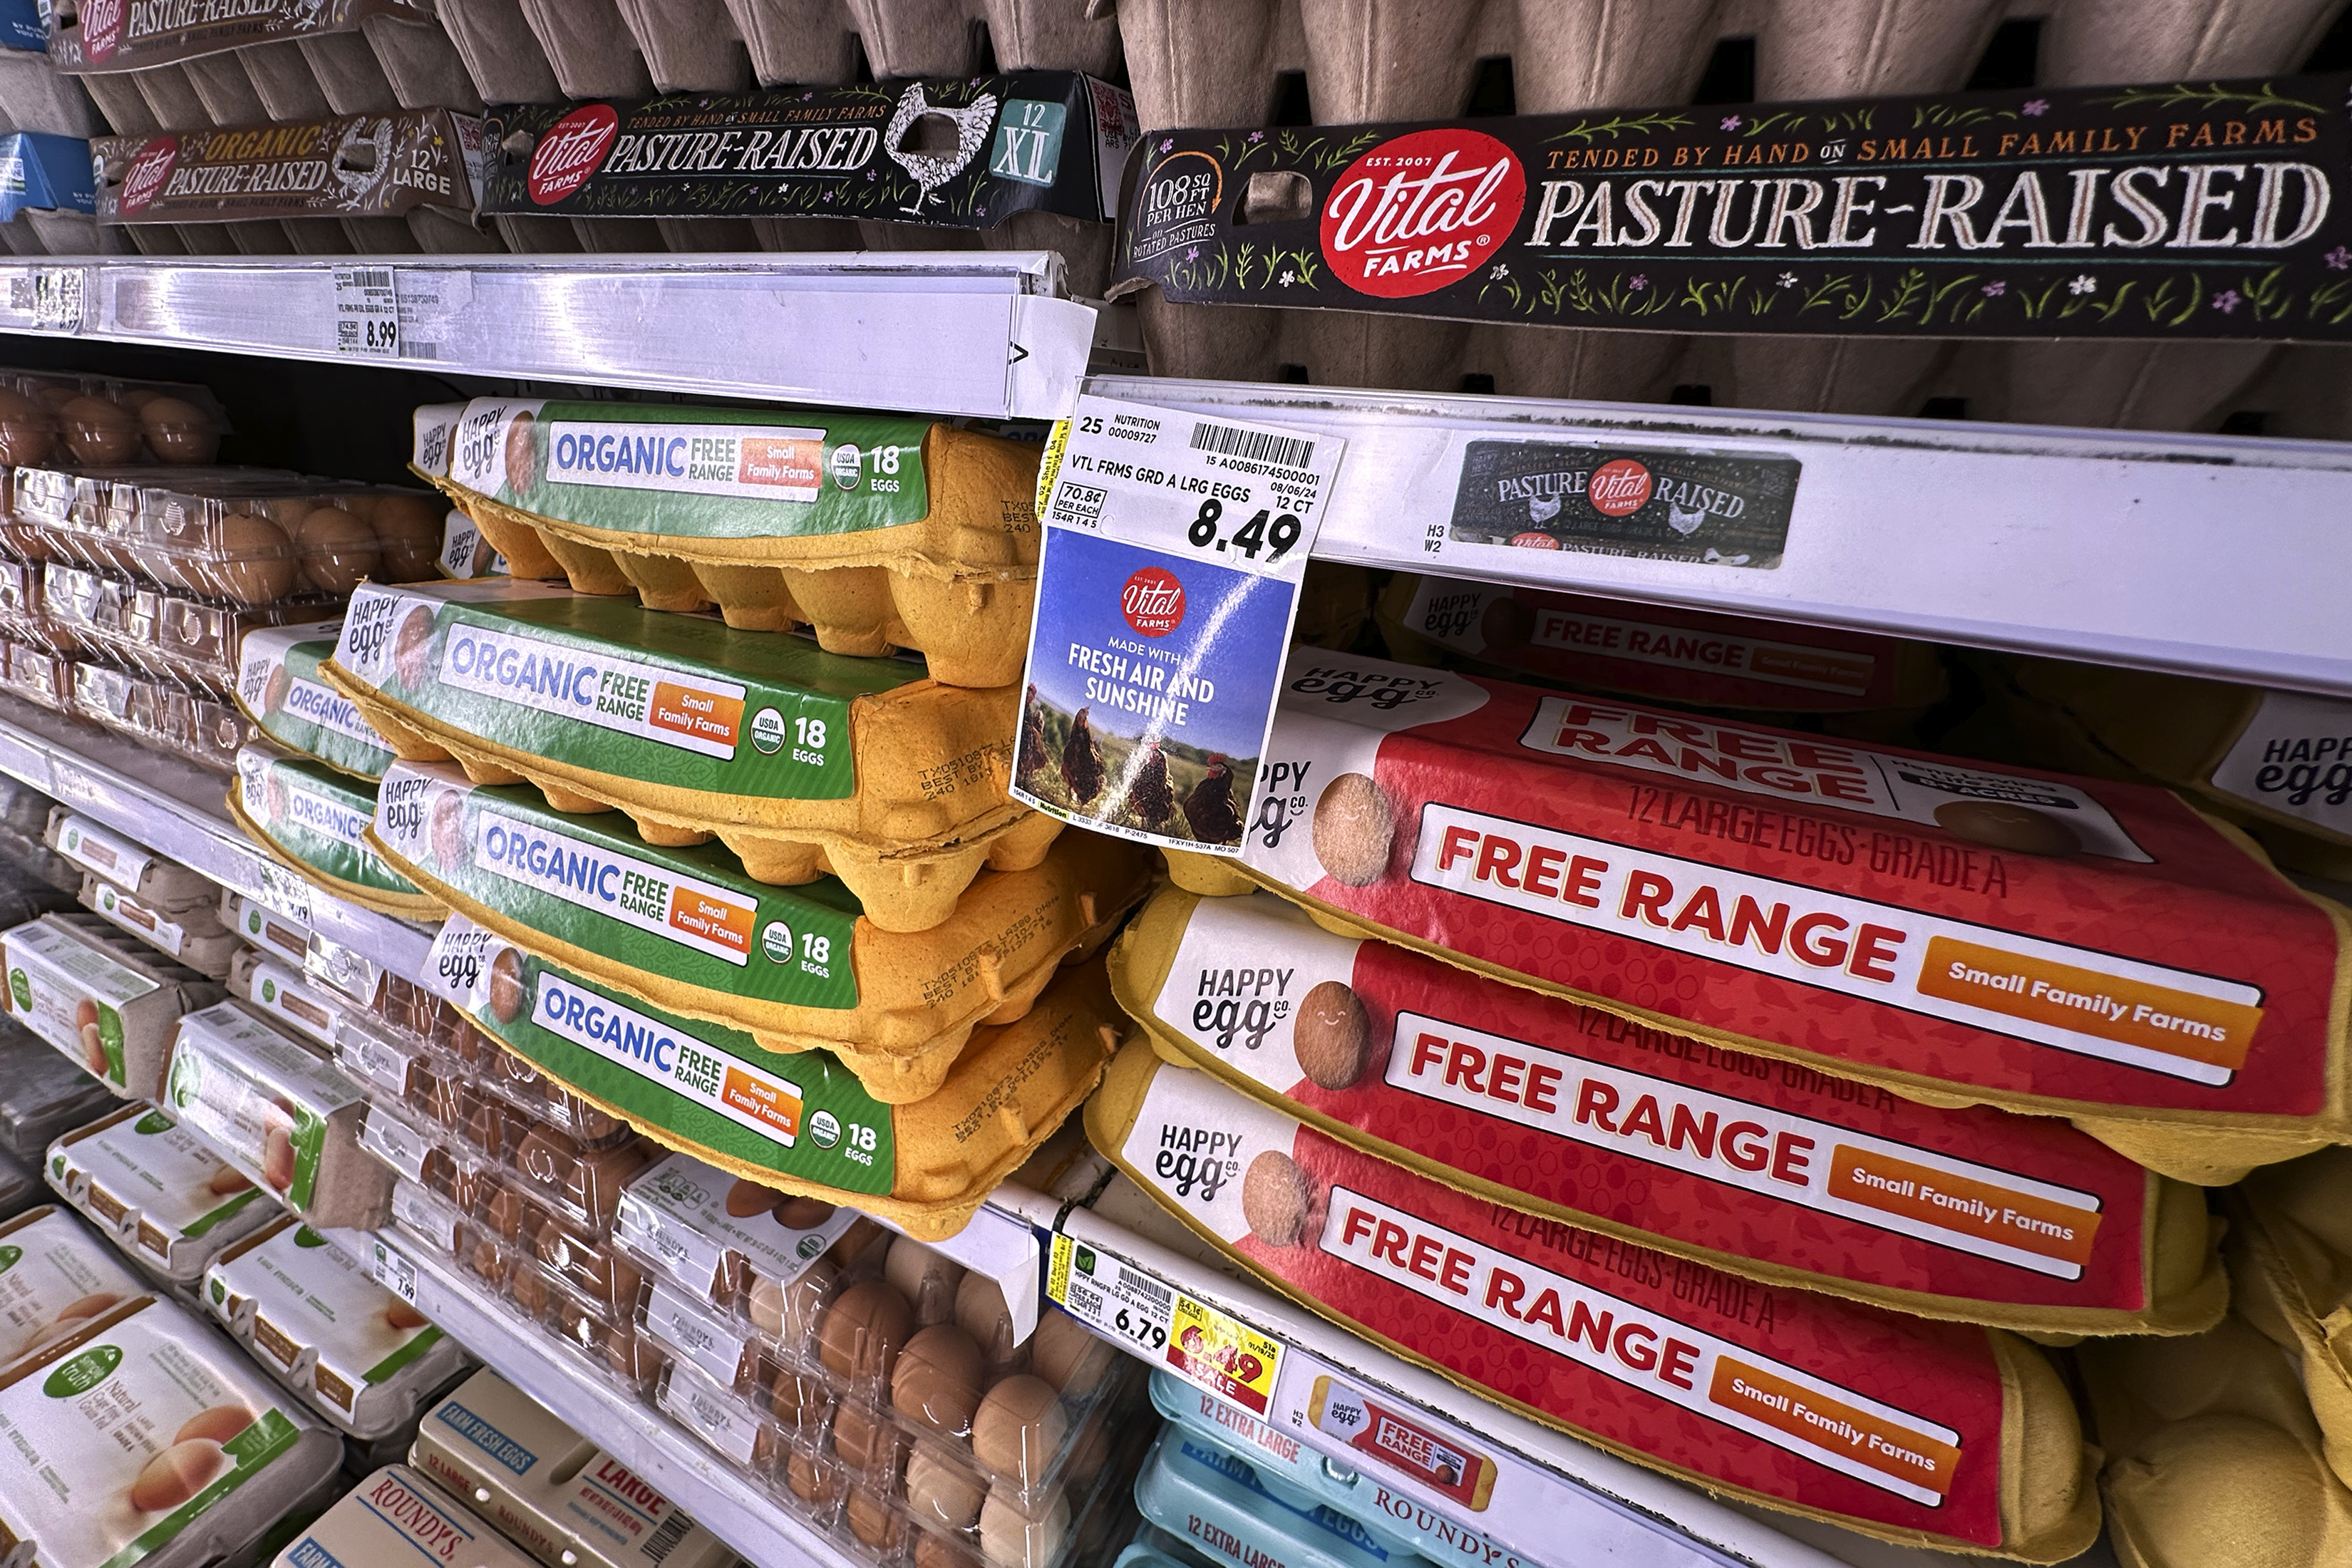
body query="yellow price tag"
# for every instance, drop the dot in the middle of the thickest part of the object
(1226, 1357)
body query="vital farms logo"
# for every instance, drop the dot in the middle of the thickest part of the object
(1421, 211)
(102, 28)
(1153, 601)
(573, 147)
(149, 172)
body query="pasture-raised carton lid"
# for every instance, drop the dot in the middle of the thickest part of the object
(1999, 213)
(351, 165)
(98, 37)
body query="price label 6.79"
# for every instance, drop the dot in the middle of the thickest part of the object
(1164, 1325)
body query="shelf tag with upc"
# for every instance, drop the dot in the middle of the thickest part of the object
(392, 1269)
(367, 313)
(1162, 1324)
(1172, 552)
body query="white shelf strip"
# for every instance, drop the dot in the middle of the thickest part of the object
(974, 332)
(2205, 554)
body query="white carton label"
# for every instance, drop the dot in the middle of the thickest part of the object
(2294, 758)
(692, 913)
(51, 1261)
(758, 462)
(618, 694)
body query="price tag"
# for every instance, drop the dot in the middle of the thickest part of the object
(286, 893)
(1162, 1324)
(57, 296)
(393, 1271)
(1169, 577)
(367, 313)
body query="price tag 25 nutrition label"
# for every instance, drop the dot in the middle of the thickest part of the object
(1153, 1319)
(1168, 576)
(367, 313)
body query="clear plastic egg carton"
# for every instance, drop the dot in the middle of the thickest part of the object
(23, 612)
(161, 711)
(851, 1473)
(429, 1043)
(164, 631)
(37, 675)
(891, 1333)
(48, 417)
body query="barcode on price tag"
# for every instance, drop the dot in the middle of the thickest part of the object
(367, 313)
(57, 297)
(394, 1272)
(286, 893)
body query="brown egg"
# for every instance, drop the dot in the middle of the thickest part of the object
(927, 1280)
(1017, 1535)
(93, 1044)
(177, 431)
(529, 1291)
(980, 1311)
(336, 550)
(400, 1316)
(865, 1440)
(873, 1521)
(226, 1181)
(746, 1199)
(217, 1425)
(55, 394)
(176, 1474)
(1065, 1353)
(1019, 1427)
(28, 430)
(937, 1551)
(936, 1383)
(798, 1401)
(99, 432)
(88, 1306)
(789, 1311)
(256, 564)
(940, 1490)
(804, 1213)
(277, 1155)
(861, 1332)
(408, 528)
(810, 1482)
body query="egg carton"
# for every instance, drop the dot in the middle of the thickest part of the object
(918, 1351)
(432, 1059)
(37, 674)
(43, 1094)
(68, 417)
(167, 633)
(1389, 59)
(188, 722)
(23, 618)
(498, 1164)
(608, 1348)
(843, 1469)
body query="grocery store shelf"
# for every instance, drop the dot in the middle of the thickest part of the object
(1549, 1488)
(175, 809)
(2204, 554)
(976, 332)
(698, 1480)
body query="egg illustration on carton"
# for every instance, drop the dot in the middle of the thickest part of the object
(93, 1040)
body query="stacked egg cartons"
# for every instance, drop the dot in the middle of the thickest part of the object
(33, 98)
(878, 1392)
(1369, 61)
(134, 565)
(874, 1384)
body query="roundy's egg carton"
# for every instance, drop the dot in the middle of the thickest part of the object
(687, 930)
(880, 531)
(803, 1123)
(313, 821)
(60, 1276)
(147, 1432)
(1386, 60)
(805, 764)
(396, 1513)
(556, 1493)
(316, 1320)
(157, 1191)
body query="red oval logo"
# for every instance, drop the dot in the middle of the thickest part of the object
(1421, 211)
(1617, 486)
(102, 28)
(1153, 602)
(572, 149)
(1535, 542)
(148, 174)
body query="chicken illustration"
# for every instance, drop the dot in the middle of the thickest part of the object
(973, 124)
(1149, 796)
(1209, 807)
(1082, 773)
(1685, 520)
(1033, 734)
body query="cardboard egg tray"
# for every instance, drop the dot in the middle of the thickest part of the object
(313, 821)
(880, 531)
(157, 1191)
(892, 783)
(689, 930)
